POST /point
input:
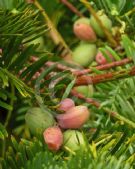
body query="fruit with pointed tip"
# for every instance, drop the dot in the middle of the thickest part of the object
(84, 54)
(83, 30)
(73, 140)
(107, 23)
(53, 138)
(74, 118)
(66, 104)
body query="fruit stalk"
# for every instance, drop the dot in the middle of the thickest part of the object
(72, 7)
(97, 104)
(85, 71)
(88, 100)
(106, 32)
(110, 76)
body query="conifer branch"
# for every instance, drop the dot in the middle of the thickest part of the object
(90, 70)
(110, 76)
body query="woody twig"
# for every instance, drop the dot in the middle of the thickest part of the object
(72, 8)
(90, 70)
(110, 76)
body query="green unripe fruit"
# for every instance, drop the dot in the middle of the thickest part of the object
(38, 120)
(87, 91)
(84, 54)
(105, 21)
(73, 140)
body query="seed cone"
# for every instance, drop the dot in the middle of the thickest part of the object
(84, 54)
(74, 118)
(87, 91)
(38, 120)
(100, 59)
(66, 104)
(105, 21)
(53, 138)
(73, 140)
(84, 32)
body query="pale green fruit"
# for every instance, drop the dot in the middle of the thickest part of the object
(73, 140)
(87, 91)
(38, 120)
(84, 54)
(105, 21)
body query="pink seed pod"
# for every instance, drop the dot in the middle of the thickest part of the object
(66, 104)
(33, 58)
(74, 118)
(20, 72)
(0, 50)
(36, 75)
(100, 59)
(53, 138)
(84, 32)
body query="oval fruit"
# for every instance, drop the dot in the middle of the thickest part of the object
(100, 59)
(105, 21)
(38, 120)
(66, 104)
(53, 138)
(73, 140)
(74, 118)
(84, 54)
(83, 20)
(83, 30)
(87, 91)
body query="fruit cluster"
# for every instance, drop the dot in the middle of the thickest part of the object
(64, 133)
(87, 30)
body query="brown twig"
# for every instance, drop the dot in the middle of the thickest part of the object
(85, 71)
(106, 110)
(72, 8)
(105, 30)
(87, 79)
(54, 34)
(88, 100)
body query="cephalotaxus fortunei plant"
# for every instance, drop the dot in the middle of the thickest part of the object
(67, 113)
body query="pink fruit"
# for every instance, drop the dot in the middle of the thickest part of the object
(100, 59)
(0, 51)
(66, 104)
(53, 138)
(36, 75)
(74, 118)
(84, 32)
(33, 58)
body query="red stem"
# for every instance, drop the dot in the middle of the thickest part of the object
(88, 100)
(87, 79)
(72, 8)
(85, 71)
